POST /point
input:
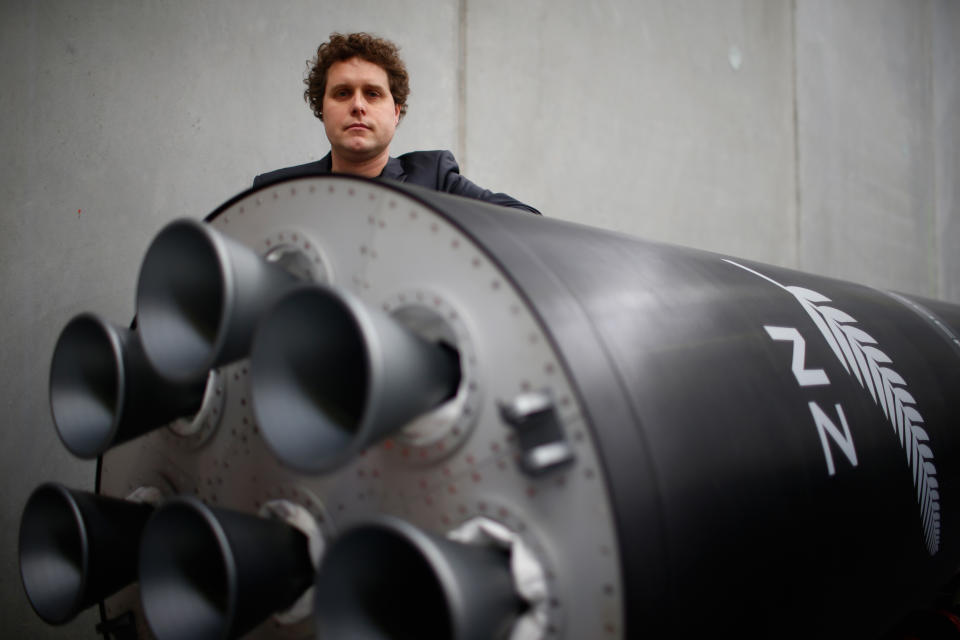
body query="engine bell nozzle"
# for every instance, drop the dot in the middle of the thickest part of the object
(387, 580)
(331, 376)
(103, 390)
(199, 297)
(77, 548)
(207, 572)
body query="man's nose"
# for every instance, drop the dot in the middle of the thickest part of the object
(358, 105)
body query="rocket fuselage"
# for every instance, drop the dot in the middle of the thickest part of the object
(683, 443)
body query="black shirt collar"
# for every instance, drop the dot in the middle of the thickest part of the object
(393, 169)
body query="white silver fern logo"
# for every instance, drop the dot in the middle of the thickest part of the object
(860, 356)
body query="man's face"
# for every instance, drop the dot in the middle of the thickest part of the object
(359, 113)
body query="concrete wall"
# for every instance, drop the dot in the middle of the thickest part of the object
(669, 120)
(812, 134)
(865, 91)
(946, 144)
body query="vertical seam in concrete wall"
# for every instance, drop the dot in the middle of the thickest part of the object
(936, 288)
(797, 213)
(462, 85)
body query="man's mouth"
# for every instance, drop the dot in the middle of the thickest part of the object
(357, 125)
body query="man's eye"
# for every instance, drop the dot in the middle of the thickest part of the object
(373, 94)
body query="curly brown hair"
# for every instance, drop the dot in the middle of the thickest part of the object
(340, 47)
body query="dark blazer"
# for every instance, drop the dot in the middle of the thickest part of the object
(437, 170)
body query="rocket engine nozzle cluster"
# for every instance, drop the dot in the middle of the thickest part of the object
(330, 377)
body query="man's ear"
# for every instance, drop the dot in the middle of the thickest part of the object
(396, 108)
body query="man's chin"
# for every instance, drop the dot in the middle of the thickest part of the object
(359, 153)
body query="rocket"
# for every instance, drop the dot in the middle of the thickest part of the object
(366, 410)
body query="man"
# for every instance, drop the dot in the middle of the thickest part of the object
(358, 88)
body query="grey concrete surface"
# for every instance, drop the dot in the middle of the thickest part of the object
(806, 133)
(946, 141)
(669, 120)
(865, 107)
